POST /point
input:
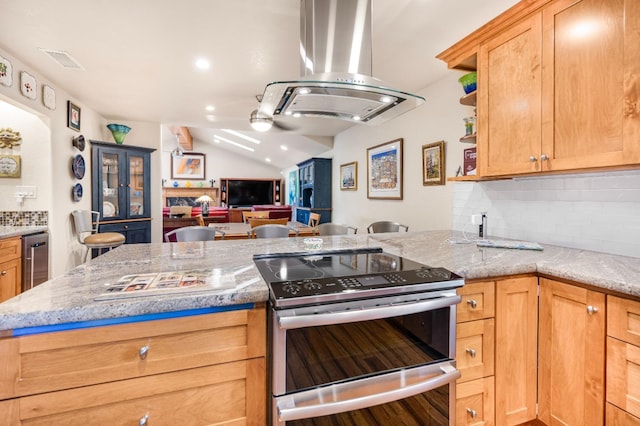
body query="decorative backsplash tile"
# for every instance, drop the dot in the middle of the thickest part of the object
(36, 218)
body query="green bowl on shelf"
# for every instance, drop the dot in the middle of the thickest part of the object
(468, 82)
(119, 131)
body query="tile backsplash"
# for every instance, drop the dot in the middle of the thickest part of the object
(595, 211)
(24, 218)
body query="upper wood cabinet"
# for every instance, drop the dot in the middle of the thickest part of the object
(591, 84)
(558, 86)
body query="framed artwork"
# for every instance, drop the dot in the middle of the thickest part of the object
(189, 166)
(349, 176)
(73, 116)
(384, 170)
(433, 164)
(293, 187)
(9, 166)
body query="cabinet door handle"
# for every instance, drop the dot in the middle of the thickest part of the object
(143, 420)
(3, 273)
(472, 303)
(471, 352)
(591, 310)
(143, 352)
(544, 157)
(472, 412)
(533, 159)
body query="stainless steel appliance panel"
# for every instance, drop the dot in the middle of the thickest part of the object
(35, 260)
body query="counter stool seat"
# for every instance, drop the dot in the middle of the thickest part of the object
(87, 223)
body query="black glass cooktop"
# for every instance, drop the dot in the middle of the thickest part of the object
(323, 277)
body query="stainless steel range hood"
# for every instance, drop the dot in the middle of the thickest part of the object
(335, 52)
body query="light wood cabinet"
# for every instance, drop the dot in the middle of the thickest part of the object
(475, 358)
(623, 361)
(591, 84)
(516, 349)
(571, 354)
(206, 369)
(558, 86)
(509, 100)
(10, 268)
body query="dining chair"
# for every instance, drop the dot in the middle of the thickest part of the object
(194, 233)
(257, 221)
(314, 220)
(251, 215)
(182, 211)
(386, 226)
(335, 229)
(87, 224)
(271, 231)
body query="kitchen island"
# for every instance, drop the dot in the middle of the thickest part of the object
(75, 355)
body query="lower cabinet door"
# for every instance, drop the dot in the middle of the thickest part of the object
(475, 403)
(231, 393)
(623, 384)
(618, 417)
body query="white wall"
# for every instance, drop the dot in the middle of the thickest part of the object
(422, 207)
(595, 211)
(35, 153)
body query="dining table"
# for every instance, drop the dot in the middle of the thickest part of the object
(237, 231)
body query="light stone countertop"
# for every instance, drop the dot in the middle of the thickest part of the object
(72, 297)
(7, 231)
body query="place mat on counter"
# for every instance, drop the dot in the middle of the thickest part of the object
(510, 244)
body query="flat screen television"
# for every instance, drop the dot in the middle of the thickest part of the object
(248, 192)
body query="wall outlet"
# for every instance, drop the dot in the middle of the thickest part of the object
(26, 191)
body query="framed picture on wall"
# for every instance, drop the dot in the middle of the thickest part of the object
(73, 116)
(384, 171)
(349, 176)
(433, 164)
(189, 166)
(10, 166)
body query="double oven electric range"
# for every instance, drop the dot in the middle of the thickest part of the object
(360, 337)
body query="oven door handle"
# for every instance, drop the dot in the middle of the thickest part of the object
(366, 392)
(368, 314)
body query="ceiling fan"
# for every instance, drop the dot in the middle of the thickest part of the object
(262, 123)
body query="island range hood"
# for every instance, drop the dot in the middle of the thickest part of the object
(335, 53)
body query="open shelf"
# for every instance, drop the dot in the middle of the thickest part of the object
(469, 99)
(468, 138)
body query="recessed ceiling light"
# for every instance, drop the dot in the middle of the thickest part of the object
(385, 99)
(283, 147)
(210, 108)
(268, 160)
(210, 117)
(297, 114)
(287, 112)
(304, 90)
(356, 118)
(202, 64)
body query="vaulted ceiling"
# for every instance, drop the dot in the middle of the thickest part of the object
(138, 57)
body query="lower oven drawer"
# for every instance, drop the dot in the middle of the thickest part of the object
(366, 392)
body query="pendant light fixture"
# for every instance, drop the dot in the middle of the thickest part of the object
(178, 152)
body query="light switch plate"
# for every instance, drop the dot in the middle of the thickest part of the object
(26, 191)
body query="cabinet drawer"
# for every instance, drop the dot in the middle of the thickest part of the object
(10, 249)
(617, 417)
(201, 396)
(623, 375)
(623, 319)
(70, 359)
(475, 403)
(478, 301)
(475, 349)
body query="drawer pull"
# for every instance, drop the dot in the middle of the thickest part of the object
(472, 303)
(143, 352)
(471, 352)
(143, 420)
(472, 413)
(3, 273)
(591, 310)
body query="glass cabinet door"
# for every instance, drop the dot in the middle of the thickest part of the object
(136, 185)
(110, 182)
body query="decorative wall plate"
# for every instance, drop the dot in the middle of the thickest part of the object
(6, 72)
(78, 166)
(48, 97)
(76, 193)
(28, 85)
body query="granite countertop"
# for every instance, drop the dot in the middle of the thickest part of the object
(72, 297)
(17, 231)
